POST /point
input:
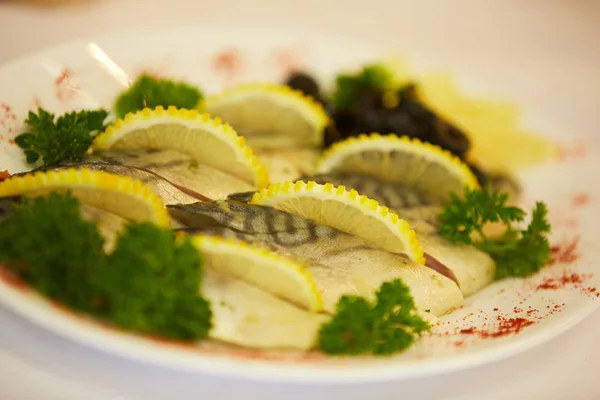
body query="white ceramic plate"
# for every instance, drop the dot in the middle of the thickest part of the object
(505, 318)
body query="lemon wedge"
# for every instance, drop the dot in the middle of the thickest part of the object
(208, 141)
(271, 115)
(267, 270)
(119, 195)
(345, 210)
(389, 158)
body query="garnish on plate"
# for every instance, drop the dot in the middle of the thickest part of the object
(209, 141)
(348, 88)
(112, 193)
(148, 284)
(388, 325)
(150, 92)
(270, 115)
(517, 252)
(67, 137)
(346, 210)
(379, 99)
(359, 161)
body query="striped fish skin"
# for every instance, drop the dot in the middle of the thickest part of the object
(175, 177)
(473, 268)
(339, 262)
(392, 195)
(241, 313)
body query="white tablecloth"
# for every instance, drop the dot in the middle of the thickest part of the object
(544, 54)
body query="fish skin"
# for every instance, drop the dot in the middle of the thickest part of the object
(241, 314)
(173, 176)
(389, 194)
(473, 268)
(339, 262)
(392, 195)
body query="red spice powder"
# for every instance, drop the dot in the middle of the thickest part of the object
(576, 151)
(4, 175)
(36, 102)
(580, 199)
(506, 326)
(565, 253)
(64, 88)
(228, 63)
(7, 117)
(65, 74)
(554, 283)
(12, 280)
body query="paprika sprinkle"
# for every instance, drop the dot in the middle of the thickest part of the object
(565, 253)
(581, 199)
(506, 326)
(228, 63)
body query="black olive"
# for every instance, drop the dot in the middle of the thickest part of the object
(305, 83)
(505, 183)
(372, 121)
(346, 123)
(481, 176)
(417, 110)
(331, 135)
(402, 124)
(368, 99)
(450, 138)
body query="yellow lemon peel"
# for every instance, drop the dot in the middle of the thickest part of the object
(371, 221)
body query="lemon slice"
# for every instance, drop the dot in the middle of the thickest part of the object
(271, 115)
(424, 166)
(262, 268)
(344, 210)
(114, 193)
(207, 140)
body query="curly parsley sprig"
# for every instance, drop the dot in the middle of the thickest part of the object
(348, 87)
(151, 92)
(517, 252)
(148, 284)
(67, 137)
(387, 326)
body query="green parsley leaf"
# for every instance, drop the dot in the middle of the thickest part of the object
(462, 217)
(517, 252)
(162, 292)
(48, 245)
(388, 326)
(151, 92)
(149, 284)
(348, 87)
(67, 138)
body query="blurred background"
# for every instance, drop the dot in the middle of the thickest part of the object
(544, 48)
